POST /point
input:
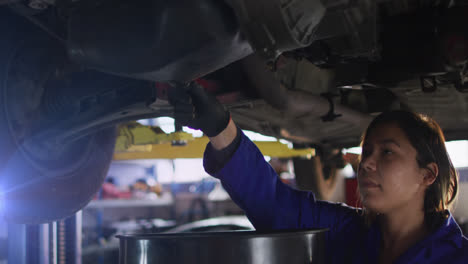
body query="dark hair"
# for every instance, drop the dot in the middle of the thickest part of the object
(426, 136)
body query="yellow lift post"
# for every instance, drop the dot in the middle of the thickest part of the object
(136, 141)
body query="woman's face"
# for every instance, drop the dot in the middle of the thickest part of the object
(389, 176)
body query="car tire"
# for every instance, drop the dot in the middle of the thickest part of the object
(40, 185)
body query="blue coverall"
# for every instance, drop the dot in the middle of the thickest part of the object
(272, 205)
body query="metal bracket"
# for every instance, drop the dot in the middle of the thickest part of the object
(461, 83)
(428, 83)
(331, 115)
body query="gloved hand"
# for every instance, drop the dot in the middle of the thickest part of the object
(199, 110)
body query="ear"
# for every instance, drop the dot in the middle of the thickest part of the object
(430, 173)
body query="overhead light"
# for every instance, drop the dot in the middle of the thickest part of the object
(458, 151)
(354, 150)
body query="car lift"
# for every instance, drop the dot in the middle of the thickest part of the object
(54, 243)
(136, 141)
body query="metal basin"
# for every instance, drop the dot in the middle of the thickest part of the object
(246, 247)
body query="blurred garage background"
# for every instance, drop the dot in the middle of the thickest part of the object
(148, 195)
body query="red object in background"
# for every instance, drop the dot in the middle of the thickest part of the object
(352, 195)
(110, 191)
(455, 48)
(210, 86)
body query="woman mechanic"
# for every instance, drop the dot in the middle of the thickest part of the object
(406, 181)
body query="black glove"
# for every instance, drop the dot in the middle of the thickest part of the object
(195, 108)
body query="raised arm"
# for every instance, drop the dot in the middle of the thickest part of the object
(225, 138)
(244, 173)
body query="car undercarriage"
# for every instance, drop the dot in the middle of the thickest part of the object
(312, 72)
